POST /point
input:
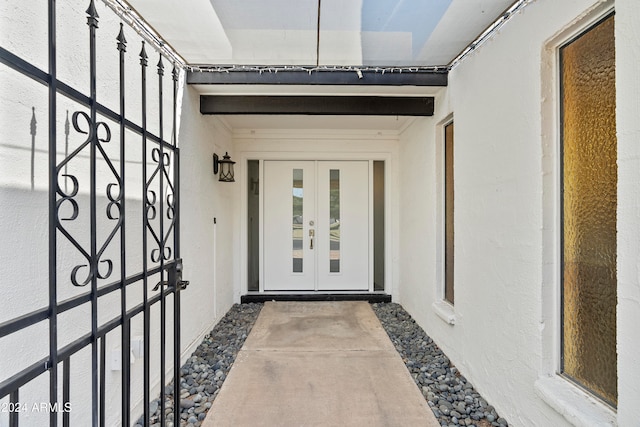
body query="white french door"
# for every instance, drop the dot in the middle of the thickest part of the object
(316, 225)
(289, 199)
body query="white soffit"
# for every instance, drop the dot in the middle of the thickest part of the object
(463, 22)
(377, 125)
(354, 32)
(191, 27)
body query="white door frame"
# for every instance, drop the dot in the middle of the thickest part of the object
(261, 156)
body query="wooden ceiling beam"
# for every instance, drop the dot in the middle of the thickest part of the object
(318, 105)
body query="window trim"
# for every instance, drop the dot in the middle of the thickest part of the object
(446, 225)
(561, 148)
(441, 307)
(567, 398)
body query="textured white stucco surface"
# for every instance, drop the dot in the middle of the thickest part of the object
(209, 263)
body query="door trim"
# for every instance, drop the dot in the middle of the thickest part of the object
(241, 176)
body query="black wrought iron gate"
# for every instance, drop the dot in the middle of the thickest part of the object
(113, 210)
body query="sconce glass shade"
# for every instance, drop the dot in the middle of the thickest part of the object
(226, 168)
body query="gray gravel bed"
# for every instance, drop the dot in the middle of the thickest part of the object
(204, 372)
(451, 397)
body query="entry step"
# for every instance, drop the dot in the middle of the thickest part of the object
(263, 297)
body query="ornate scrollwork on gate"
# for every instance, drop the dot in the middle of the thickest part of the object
(98, 133)
(163, 164)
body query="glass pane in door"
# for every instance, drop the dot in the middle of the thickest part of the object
(378, 225)
(334, 220)
(298, 199)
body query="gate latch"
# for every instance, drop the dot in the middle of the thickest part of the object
(175, 276)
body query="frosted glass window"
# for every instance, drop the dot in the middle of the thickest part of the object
(297, 237)
(589, 211)
(334, 220)
(448, 213)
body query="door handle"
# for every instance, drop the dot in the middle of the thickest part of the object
(311, 234)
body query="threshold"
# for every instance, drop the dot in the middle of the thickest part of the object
(371, 297)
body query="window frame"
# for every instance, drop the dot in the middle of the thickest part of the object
(570, 401)
(582, 31)
(440, 306)
(448, 274)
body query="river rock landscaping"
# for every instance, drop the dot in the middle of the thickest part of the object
(451, 397)
(204, 372)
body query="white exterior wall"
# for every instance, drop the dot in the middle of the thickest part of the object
(418, 218)
(208, 249)
(503, 99)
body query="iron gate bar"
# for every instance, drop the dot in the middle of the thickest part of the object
(92, 22)
(11, 60)
(23, 321)
(13, 415)
(161, 246)
(53, 178)
(103, 356)
(66, 392)
(145, 225)
(176, 252)
(125, 330)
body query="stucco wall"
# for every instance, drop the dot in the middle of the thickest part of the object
(208, 249)
(418, 218)
(505, 336)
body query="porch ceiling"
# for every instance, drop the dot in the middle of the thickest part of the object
(422, 33)
(381, 125)
(261, 37)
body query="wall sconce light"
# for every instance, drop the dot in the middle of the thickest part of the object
(225, 166)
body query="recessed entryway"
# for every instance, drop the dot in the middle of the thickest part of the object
(315, 226)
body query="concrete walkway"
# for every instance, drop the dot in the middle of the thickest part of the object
(319, 364)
